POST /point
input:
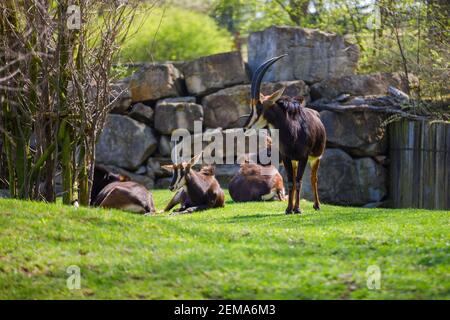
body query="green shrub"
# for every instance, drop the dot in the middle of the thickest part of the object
(173, 34)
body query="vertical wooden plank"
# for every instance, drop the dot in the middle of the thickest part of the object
(427, 166)
(420, 164)
(447, 168)
(440, 167)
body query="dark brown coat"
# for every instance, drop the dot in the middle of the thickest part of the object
(195, 190)
(249, 184)
(114, 191)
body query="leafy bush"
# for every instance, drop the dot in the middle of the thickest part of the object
(173, 34)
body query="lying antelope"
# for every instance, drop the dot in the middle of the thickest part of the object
(195, 190)
(115, 191)
(302, 134)
(255, 181)
(251, 183)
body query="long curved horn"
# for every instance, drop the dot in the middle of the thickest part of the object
(258, 76)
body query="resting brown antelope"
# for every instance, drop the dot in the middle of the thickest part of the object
(114, 191)
(250, 184)
(302, 134)
(195, 190)
(256, 181)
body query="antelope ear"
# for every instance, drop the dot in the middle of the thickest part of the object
(168, 167)
(270, 100)
(195, 159)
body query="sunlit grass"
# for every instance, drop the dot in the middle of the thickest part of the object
(247, 251)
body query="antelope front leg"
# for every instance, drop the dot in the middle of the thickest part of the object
(192, 209)
(298, 184)
(177, 198)
(314, 168)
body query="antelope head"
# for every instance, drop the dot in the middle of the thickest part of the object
(180, 171)
(259, 103)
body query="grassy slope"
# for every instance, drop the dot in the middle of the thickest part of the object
(247, 250)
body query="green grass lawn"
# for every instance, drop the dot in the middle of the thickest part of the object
(243, 251)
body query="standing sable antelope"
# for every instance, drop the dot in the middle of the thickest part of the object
(302, 134)
(115, 191)
(256, 181)
(195, 190)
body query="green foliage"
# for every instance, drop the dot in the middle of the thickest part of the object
(173, 34)
(242, 251)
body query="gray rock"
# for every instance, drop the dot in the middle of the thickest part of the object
(337, 177)
(164, 146)
(174, 115)
(292, 88)
(372, 180)
(313, 55)
(361, 85)
(360, 133)
(141, 170)
(211, 73)
(142, 113)
(156, 81)
(125, 142)
(345, 181)
(398, 94)
(188, 99)
(163, 183)
(154, 166)
(227, 108)
(120, 97)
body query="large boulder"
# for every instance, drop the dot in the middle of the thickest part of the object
(313, 55)
(361, 85)
(120, 97)
(142, 113)
(361, 133)
(164, 146)
(154, 165)
(345, 181)
(125, 142)
(372, 180)
(163, 183)
(211, 73)
(156, 81)
(227, 108)
(177, 115)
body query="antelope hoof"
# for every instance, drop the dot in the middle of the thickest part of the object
(316, 206)
(289, 211)
(297, 211)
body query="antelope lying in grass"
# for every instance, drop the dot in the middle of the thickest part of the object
(250, 184)
(195, 190)
(115, 191)
(256, 182)
(302, 134)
